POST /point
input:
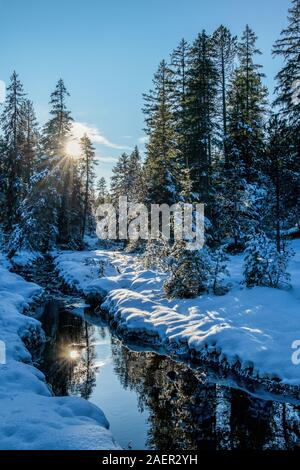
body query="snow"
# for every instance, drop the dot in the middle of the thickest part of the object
(254, 327)
(25, 257)
(30, 417)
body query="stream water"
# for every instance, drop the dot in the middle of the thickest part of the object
(151, 401)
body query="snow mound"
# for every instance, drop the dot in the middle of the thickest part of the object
(30, 417)
(254, 328)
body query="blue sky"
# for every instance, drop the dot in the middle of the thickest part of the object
(107, 51)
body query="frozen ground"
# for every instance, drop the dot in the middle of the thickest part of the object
(30, 417)
(252, 327)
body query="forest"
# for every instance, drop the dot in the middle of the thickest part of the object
(214, 136)
(185, 348)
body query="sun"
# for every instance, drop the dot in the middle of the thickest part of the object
(73, 354)
(72, 147)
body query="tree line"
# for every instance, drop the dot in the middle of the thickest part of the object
(216, 137)
(46, 195)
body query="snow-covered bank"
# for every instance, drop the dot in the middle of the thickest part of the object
(30, 417)
(251, 330)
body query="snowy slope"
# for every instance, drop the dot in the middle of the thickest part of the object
(30, 418)
(252, 327)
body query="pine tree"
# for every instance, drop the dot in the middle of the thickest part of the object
(128, 181)
(279, 168)
(219, 269)
(58, 128)
(202, 90)
(36, 229)
(239, 206)
(76, 209)
(87, 165)
(288, 79)
(119, 181)
(61, 167)
(102, 191)
(247, 108)
(190, 272)
(288, 93)
(160, 163)
(180, 65)
(12, 121)
(263, 265)
(30, 145)
(224, 53)
(2, 182)
(156, 255)
(135, 177)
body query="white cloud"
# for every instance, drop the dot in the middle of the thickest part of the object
(81, 128)
(143, 140)
(106, 159)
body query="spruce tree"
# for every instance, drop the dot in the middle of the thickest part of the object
(288, 79)
(202, 91)
(61, 167)
(87, 169)
(161, 154)
(128, 181)
(288, 92)
(30, 145)
(224, 53)
(12, 121)
(120, 181)
(180, 65)
(102, 191)
(135, 177)
(190, 272)
(280, 169)
(247, 107)
(2, 182)
(58, 128)
(219, 269)
(263, 265)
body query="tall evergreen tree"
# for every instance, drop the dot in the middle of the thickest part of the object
(119, 180)
(58, 128)
(12, 121)
(2, 182)
(30, 147)
(87, 165)
(279, 167)
(288, 79)
(288, 91)
(160, 163)
(202, 89)
(127, 179)
(102, 191)
(247, 107)
(224, 53)
(61, 167)
(180, 73)
(135, 177)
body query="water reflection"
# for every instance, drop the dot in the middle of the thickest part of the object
(181, 410)
(69, 358)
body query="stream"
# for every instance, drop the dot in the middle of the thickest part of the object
(150, 400)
